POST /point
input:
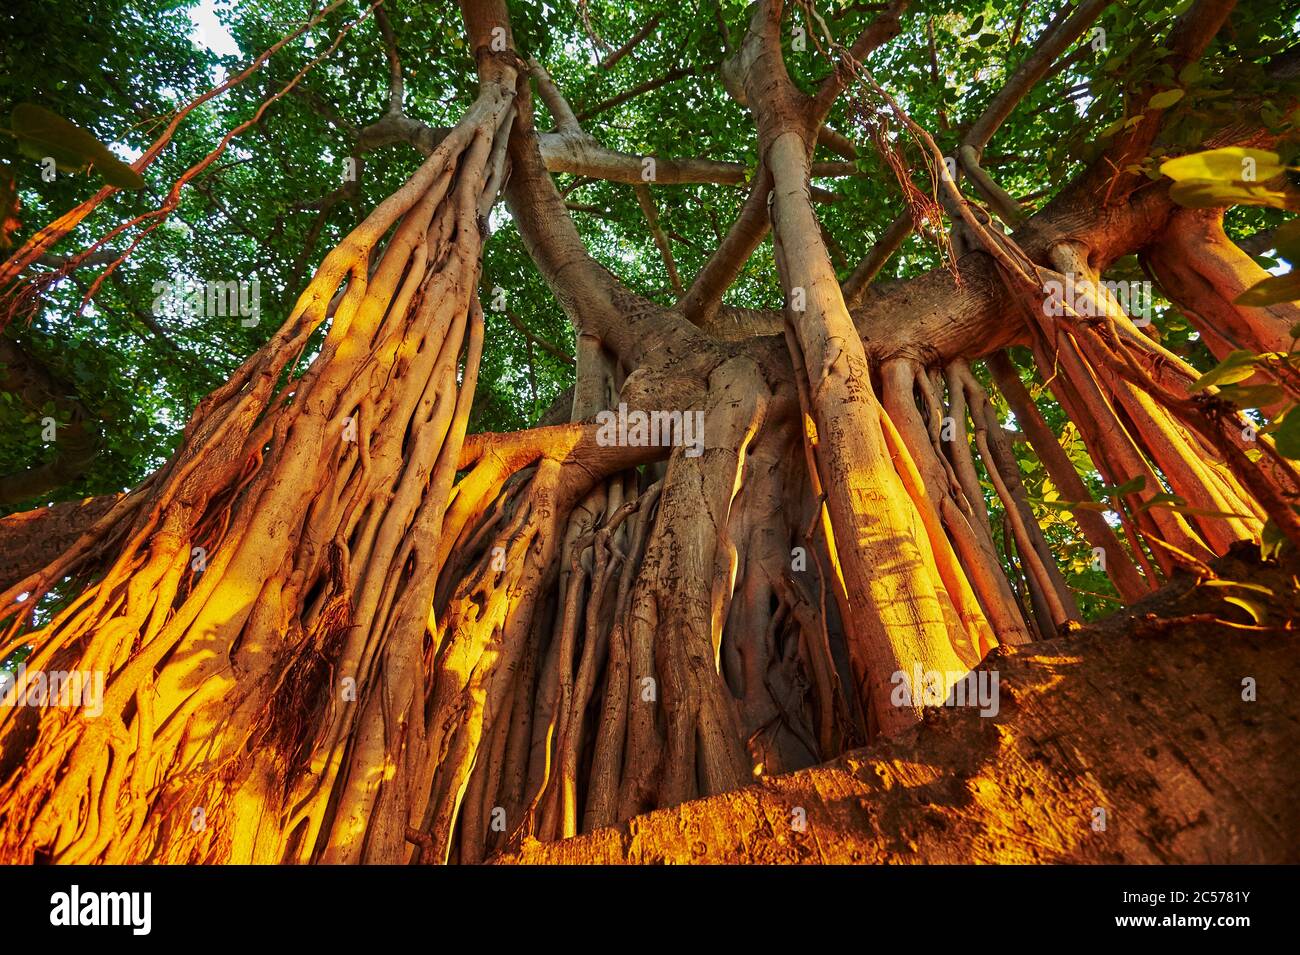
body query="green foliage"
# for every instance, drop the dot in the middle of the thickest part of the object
(121, 68)
(41, 133)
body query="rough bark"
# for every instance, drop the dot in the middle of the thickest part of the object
(34, 539)
(407, 644)
(1141, 717)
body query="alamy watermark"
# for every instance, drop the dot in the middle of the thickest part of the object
(206, 299)
(946, 688)
(654, 429)
(133, 910)
(1088, 299)
(74, 689)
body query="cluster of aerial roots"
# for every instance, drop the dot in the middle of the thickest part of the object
(334, 628)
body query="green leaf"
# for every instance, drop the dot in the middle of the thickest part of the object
(1253, 396)
(1068, 506)
(42, 133)
(1228, 164)
(1165, 100)
(1213, 193)
(1128, 487)
(1111, 129)
(1271, 541)
(1238, 366)
(1286, 239)
(1178, 505)
(1162, 500)
(1287, 436)
(1208, 512)
(1276, 288)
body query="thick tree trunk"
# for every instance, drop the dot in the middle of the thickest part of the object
(336, 629)
(894, 601)
(34, 539)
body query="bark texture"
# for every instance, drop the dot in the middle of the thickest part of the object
(1141, 717)
(335, 628)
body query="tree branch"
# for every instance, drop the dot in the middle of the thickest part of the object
(596, 302)
(1059, 34)
(701, 301)
(889, 242)
(553, 350)
(1187, 41)
(647, 28)
(836, 142)
(879, 31)
(651, 214)
(1063, 31)
(671, 76)
(32, 540)
(561, 111)
(396, 85)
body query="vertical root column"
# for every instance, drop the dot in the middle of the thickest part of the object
(1118, 564)
(945, 496)
(1203, 272)
(896, 608)
(245, 640)
(1220, 509)
(1054, 604)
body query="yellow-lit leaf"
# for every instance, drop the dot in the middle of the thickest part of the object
(1238, 366)
(1229, 164)
(1164, 100)
(1258, 588)
(1212, 193)
(1276, 288)
(1257, 612)
(42, 133)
